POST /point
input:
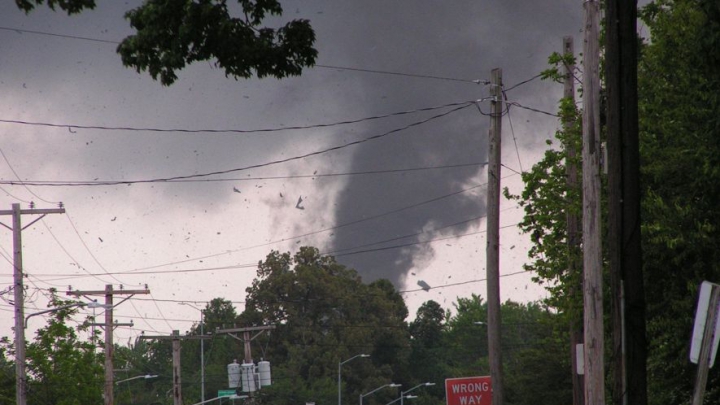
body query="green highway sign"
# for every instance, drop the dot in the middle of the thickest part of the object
(226, 393)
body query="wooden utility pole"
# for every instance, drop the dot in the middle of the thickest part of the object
(177, 378)
(592, 245)
(629, 348)
(493, 236)
(108, 292)
(573, 225)
(246, 339)
(19, 292)
(177, 381)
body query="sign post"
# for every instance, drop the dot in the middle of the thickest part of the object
(468, 391)
(704, 345)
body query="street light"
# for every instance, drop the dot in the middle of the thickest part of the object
(340, 373)
(402, 394)
(146, 376)
(401, 397)
(233, 397)
(378, 389)
(202, 351)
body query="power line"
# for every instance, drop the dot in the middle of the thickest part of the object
(12, 169)
(85, 183)
(512, 130)
(254, 265)
(294, 158)
(21, 31)
(365, 219)
(233, 131)
(523, 82)
(516, 104)
(385, 72)
(144, 269)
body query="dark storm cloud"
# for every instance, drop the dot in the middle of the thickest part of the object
(455, 39)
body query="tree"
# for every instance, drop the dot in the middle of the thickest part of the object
(171, 34)
(220, 351)
(428, 360)
(534, 358)
(323, 315)
(134, 360)
(546, 199)
(62, 369)
(679, 88)
(7, 375)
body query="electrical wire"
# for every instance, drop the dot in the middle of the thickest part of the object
(74, 261)
(523, 82)
(82, 241)
(514, 138)
(294, 158)
(21, 31)
(516, 104)
(315, 232)
(68, 183)
(385, 72)
(254, 265)
(234, 131)
(19, 178)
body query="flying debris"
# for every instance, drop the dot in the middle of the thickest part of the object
(100, 239)
(425, 286)
(298, 206)
(114, 218)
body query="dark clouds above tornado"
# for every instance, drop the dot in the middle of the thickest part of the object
(387, 194)
(453, 40)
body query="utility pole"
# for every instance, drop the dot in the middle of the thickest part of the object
(629, 346)
(592, 244)
(492, 254)
(176, 338)
(19, 291)
(109, 325)
(573, 223)
(246, 339)
(177, 387)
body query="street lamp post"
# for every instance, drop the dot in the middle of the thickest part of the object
(376, 390)
(146, 376)
(340, 373)
(403, 393)
(401, 397)
(202, 350)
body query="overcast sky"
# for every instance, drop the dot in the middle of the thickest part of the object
(406, 203)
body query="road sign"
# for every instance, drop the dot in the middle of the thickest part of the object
(701, 315)
(226, 393)
(468, 391)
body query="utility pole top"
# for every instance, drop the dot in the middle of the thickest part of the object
(247, 329)
(246, 339)
(78, 293)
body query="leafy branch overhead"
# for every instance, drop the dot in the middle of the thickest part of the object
(171, 34)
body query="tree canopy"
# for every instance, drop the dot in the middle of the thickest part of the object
(678, 86)
(171, 34)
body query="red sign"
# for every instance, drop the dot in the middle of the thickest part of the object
(468, 391)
